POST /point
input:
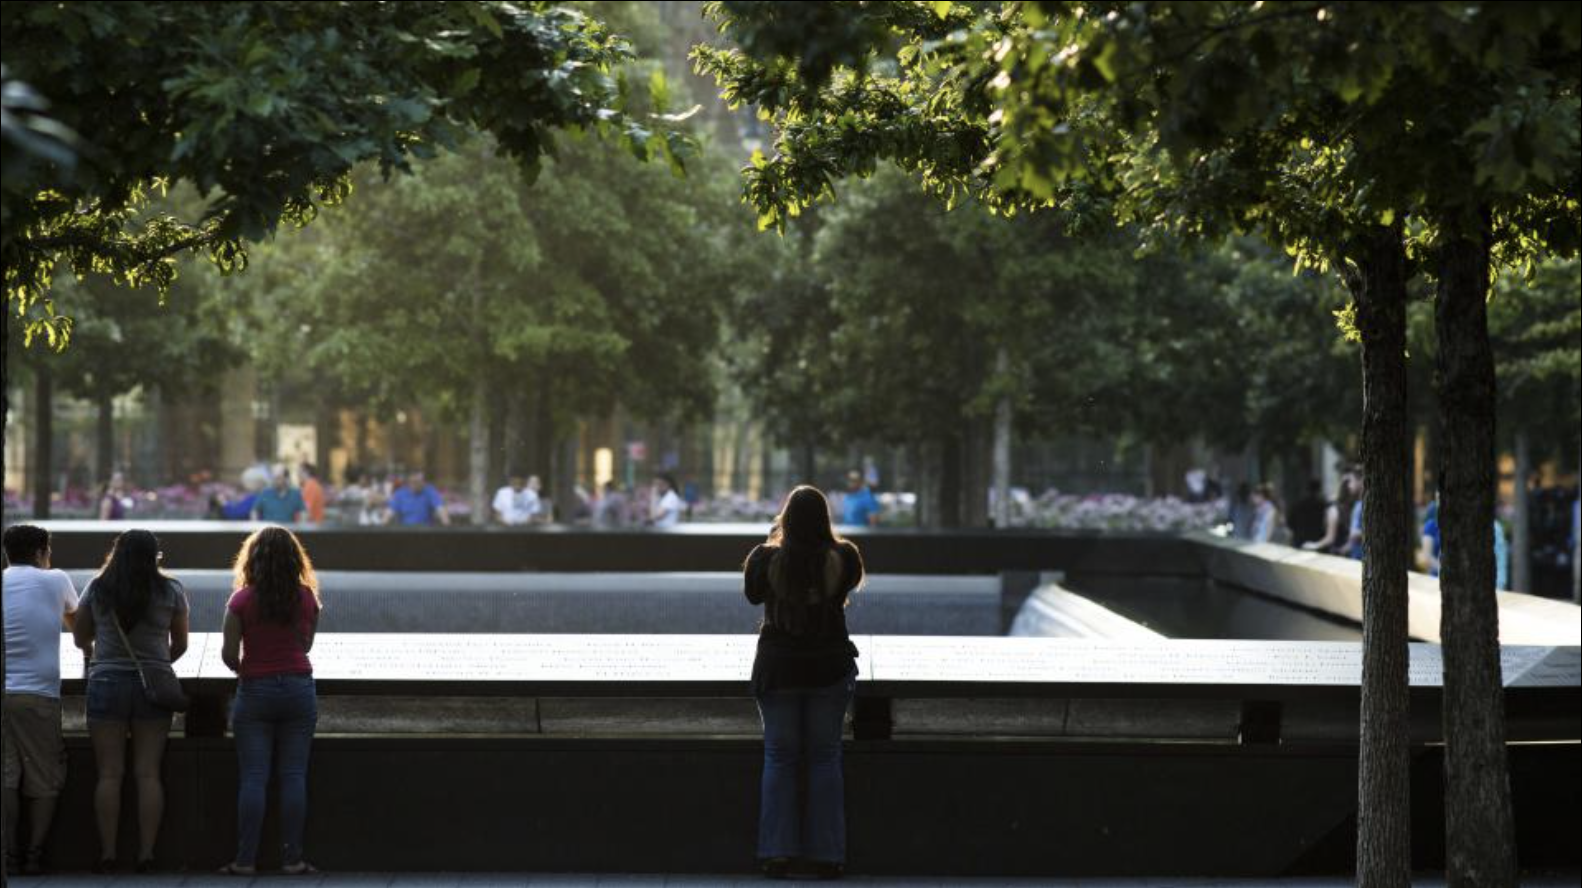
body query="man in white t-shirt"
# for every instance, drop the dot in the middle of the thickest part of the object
(517, 503)
(39, 602)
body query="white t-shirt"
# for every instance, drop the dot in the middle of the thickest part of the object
(667, 512)
(35, 601)
(516, 506)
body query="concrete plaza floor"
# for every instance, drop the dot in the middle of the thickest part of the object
(562, 880)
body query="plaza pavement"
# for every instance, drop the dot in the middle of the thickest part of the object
(562, 880)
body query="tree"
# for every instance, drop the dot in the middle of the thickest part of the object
(266, 107)
(1303, 121)
(117, 347)
(901, 323)
(464, 288)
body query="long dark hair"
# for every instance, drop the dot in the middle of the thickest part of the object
(130, 576)
(273, 562)
(808, 566)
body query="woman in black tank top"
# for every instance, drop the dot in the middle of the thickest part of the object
(803, 678)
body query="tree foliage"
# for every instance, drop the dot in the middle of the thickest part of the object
(603, 281)
(266, 108)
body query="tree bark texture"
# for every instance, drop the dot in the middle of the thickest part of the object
(104, 439)
(43, 440)
(478, 452)
(1378, 286)
(1480, 844)
(950, 481)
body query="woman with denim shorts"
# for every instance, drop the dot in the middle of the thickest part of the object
(269, 627)
(131, 600)
(804, 676)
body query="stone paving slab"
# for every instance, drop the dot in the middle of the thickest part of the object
(564, 880)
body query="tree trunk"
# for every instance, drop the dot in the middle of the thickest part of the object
(1480, 838)
(104, 439)
(563, 485)
(926, 460)
(478, 452)
(514, 438)
(543, 455)
(1002, 448)
(977, 474)
(1521, 575)
(1378, 285)
(44, 439)
(949, 479)
(360, 442)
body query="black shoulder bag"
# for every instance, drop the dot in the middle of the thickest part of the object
(160, 686)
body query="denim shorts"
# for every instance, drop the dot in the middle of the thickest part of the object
(118, 697)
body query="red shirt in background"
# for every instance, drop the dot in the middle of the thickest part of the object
(313, 498)
(268, 647)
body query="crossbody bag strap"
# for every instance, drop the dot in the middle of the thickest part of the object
(127, 642)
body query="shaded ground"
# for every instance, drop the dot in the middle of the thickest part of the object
(562, 880)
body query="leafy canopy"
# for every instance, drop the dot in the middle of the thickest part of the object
(1313, 123)
(265, 107)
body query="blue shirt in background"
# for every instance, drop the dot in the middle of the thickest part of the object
(1502, 549)
(240, 510)
(1356, 527)
(859, 505)
(418, 507)
(281, 508)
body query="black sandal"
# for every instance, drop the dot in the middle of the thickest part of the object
(104, 866)
(828, 871)
(33, 862)
(235, 869)
(300, 868)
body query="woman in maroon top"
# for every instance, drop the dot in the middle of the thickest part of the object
(269, 627)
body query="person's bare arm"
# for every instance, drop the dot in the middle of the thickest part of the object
(104, 509)
(231, 649)
(1331, 530)
(69, 620)
(178, 636)
(444, 516)
(82, 630)
(312, 633)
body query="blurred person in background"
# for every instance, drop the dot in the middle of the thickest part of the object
(115, 501)
(1337, 519)
(280, 503)
(517, 502)
(1352, 548)
(1266, 526)
(1307, 516)
(313, 495)
(860, 508)
(612, 506)
(417, 503)
(1241, 513)
(665, 506)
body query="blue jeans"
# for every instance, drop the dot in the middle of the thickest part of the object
(273, 719)
(804, 726)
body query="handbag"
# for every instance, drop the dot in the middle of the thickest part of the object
(160, 687)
